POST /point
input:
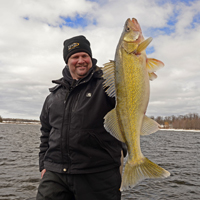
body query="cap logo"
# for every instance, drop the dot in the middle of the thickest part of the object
(72, 46)
(89, 94)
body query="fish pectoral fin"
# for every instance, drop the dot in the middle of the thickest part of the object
(108, 75)
(149, 126)
(112, 126)
(143, 45)
(153, 65)
(138, 171)
(152, 76)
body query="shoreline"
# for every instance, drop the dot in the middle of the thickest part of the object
(38, 123)
(21, 123)
(186, 130)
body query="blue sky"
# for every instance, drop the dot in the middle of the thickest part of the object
(32, 35)
(77, 21)
(175, 2)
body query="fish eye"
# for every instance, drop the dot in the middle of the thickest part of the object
(127, 29)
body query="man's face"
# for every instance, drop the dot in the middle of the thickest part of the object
(79, 64)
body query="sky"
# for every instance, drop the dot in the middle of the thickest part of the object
(32, 33)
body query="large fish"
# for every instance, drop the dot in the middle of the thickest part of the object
(127, 79)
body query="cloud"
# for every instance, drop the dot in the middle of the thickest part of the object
(31, 44)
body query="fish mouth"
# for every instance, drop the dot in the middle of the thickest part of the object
(133, 31)
(133, 24)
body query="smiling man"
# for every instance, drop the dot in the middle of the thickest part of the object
(79, 159)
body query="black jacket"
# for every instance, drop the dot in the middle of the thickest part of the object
(73, 137)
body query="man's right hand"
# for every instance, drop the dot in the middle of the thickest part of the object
(43, 172)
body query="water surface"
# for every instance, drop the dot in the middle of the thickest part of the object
(176, 151)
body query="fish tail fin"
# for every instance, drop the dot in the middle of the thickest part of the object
(134, 173)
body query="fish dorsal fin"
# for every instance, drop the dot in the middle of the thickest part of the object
(112, 126)
(152, 76)
(109, 76)
(154, 64)
(149, 126)
(129, 47)
(143, 45)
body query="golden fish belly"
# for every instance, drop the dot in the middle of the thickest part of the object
(132, 99)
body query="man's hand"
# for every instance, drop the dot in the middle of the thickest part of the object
(43, 172)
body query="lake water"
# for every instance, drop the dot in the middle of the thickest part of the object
(176, 151)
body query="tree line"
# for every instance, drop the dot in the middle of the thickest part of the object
(188, 121)
(16, 120)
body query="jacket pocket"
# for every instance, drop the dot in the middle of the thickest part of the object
(54, 146)
(110, 148)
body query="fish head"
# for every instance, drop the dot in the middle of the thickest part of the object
(132, 31)
(131, 36)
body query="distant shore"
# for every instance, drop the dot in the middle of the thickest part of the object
(20, 122)
(36, 122)
(188, 130)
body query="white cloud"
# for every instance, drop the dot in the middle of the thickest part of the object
(31, 50)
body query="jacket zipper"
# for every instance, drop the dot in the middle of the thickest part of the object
(65, 103)
(66, 97)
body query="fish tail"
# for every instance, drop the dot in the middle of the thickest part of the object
(134, 173)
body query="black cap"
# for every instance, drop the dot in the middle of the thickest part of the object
(75, 45)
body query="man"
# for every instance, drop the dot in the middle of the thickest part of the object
(78, 158)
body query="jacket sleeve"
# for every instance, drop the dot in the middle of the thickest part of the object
(45, 130)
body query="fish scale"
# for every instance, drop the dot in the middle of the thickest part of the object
(132, 88)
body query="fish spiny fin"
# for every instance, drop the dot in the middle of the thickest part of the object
(153, 65)
(109, 76)
(136, 172)
(149, 126)
(112, 126)
(152, 76)
(143, 45)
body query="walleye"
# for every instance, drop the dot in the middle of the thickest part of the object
(127, 79)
